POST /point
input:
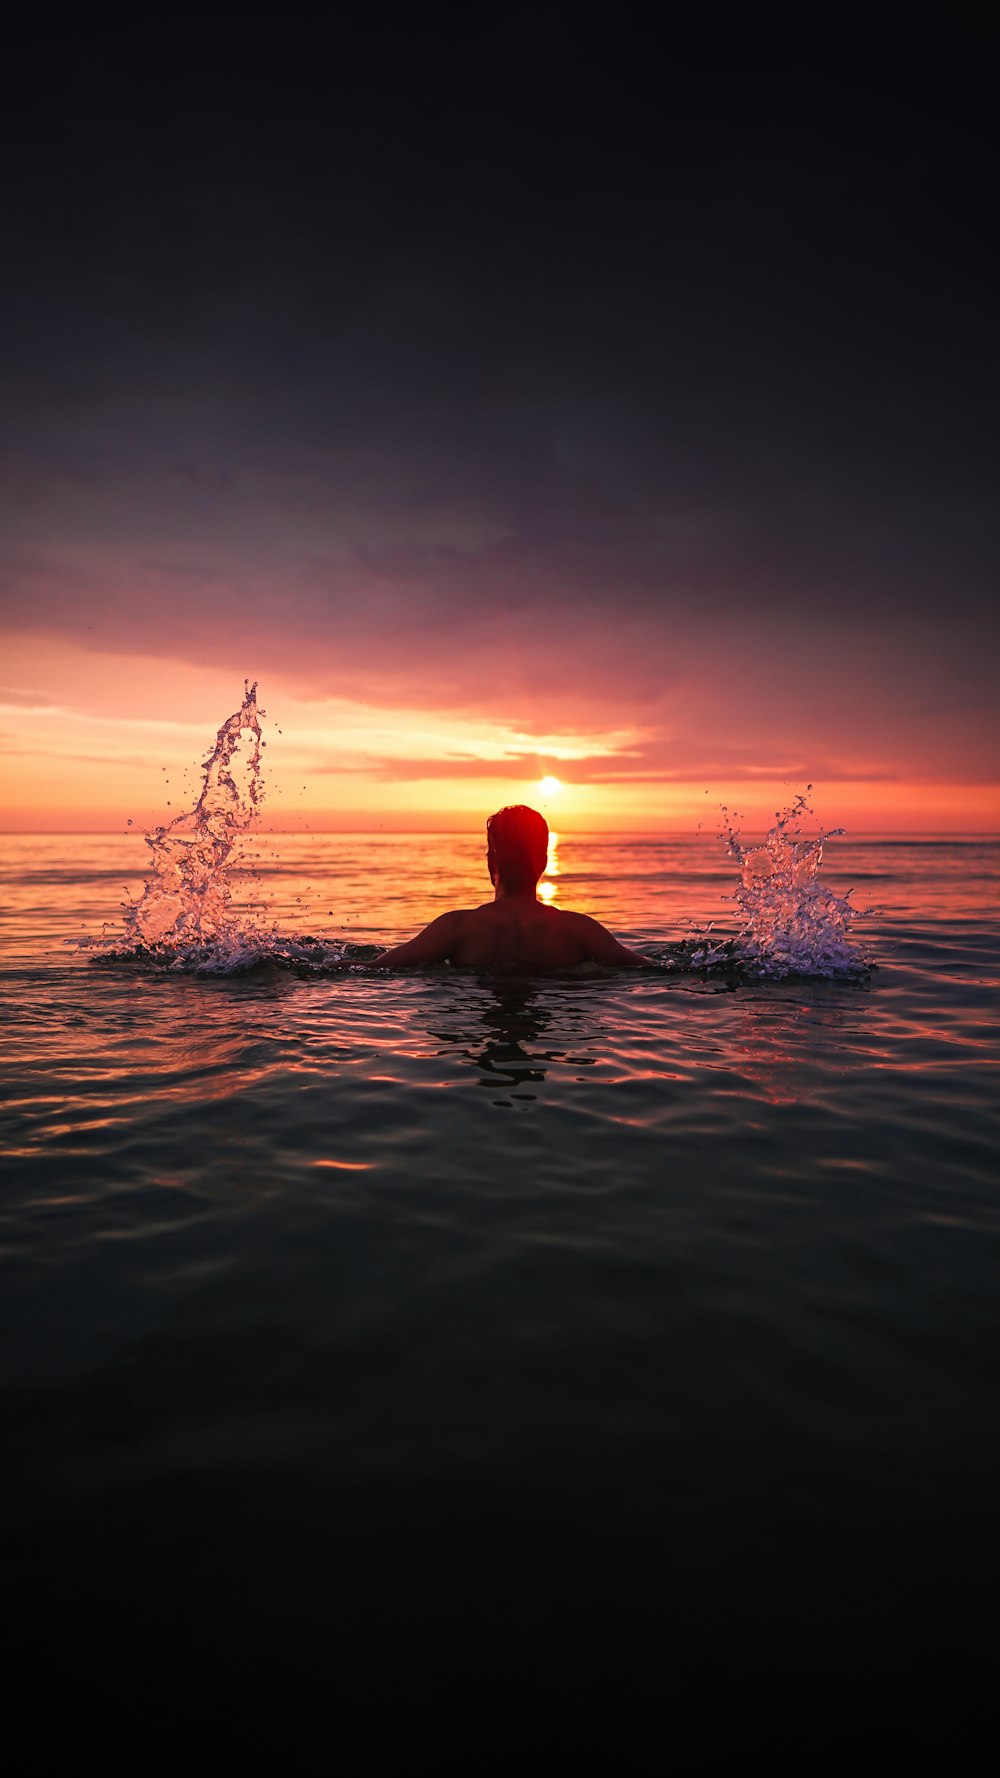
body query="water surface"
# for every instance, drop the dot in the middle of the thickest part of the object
(428, 1328)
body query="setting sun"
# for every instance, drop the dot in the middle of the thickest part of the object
(549, 786)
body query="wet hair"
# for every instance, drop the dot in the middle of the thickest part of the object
(517, 846)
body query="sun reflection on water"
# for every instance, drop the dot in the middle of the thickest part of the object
(547, 890)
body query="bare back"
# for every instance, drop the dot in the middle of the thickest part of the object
(513, 932)
(518, 934)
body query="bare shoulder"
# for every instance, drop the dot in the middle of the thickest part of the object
(601, 946)
(433, 945)
(584, 924)
(450, 926)
(449, 922)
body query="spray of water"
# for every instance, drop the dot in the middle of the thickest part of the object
(186, 918)
(791, 922)
(188, 896)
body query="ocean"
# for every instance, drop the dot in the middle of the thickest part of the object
(453, 1338)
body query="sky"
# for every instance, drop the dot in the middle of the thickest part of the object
(514, 395)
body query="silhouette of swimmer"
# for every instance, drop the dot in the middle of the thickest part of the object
(515, 929)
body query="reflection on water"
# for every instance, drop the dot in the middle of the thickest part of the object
(775, 1034)
(512, 1022)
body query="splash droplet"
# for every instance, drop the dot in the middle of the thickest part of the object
(188, 897)
(185, 919)
(792, 924)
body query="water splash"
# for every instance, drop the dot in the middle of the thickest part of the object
(792, 923)
(186, 919)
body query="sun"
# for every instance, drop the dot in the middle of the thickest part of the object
(549, 786)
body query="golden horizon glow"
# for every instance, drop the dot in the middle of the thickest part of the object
(92, 742)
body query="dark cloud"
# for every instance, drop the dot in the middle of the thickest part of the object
(506, 358)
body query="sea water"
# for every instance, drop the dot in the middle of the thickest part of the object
(392, 1332)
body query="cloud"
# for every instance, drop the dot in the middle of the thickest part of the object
(36, 702)
(581, 428)
(405, 767)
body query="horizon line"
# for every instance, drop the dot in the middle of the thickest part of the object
(908, 833)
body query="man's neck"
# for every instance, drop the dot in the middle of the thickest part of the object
(526, 895)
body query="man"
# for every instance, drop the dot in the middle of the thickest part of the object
(515, 929)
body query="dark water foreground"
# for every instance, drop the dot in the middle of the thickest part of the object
(602, 1359)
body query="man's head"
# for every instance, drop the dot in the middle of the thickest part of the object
(517, 846)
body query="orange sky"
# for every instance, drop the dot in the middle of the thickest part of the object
(92, 740)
